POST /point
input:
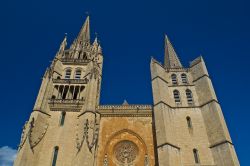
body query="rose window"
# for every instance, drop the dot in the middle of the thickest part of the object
(125, 152)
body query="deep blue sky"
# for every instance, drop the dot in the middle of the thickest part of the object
(131, 32)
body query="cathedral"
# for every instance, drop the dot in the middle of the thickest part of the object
(184, 126)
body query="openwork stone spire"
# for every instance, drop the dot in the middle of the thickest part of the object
(171, 59)
(84, 34)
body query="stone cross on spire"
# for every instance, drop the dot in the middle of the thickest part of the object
(171, 59)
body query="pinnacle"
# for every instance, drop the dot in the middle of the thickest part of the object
(125, 102)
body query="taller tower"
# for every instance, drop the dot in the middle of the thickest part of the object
(190, 127)
(69, 92)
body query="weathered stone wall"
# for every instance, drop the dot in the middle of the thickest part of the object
(133, 127)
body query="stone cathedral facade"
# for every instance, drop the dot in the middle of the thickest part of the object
(184, 126)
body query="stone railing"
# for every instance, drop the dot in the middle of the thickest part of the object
(125, 107)
(70, 81)
(71, 60)
(125, 110)
(66, 104)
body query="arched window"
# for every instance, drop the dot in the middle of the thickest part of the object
(78, 74)
(189, 122)
(67, 74)
(189, 96)
(85, 56)
(184, 78)
(196, 156)
(174, 79)
(55, 154)
(177, 98)
(63, 114)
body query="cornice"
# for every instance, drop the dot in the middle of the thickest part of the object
(125, 110)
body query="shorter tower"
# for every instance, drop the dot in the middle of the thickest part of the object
(189, 125)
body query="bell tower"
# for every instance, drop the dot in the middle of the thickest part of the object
(64, 125)
(189, 125)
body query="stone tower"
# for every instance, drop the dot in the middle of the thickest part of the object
(64, 124)
(189, 125)
(68, 126)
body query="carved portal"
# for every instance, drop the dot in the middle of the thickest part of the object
(125, 152)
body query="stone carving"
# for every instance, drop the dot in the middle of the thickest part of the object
(23, 136)
(125, 152)
(146, 163)
(94, 73)
(34, 132)
(90, 134)
(105, 161)
(37, 130)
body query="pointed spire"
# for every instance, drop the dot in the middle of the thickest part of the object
(99, 49)
(95, 41)
(84, 34)
(64, 42)
(171, 59)
(62, 46)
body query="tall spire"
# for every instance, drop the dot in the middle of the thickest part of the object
(84, 34)
(171, 59)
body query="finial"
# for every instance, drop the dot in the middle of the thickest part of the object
(125, 102)
(87, 13)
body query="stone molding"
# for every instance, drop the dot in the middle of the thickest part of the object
(160, 79)
(205, 75)
(177, 69)
(71, 61)
(220, 143)
(168, 144)
(70, 81)
(191, 106)
(125, 110)
(66, 105)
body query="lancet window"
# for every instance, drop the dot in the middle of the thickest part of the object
(196, 156)
(55, 155)
(177, 98)
(184, 78)
(189, 96)
(67, 74)
(189, 122)
(78, 73)
(174, 79)
(63, 114)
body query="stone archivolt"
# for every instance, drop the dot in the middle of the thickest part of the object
(125, 147)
